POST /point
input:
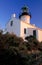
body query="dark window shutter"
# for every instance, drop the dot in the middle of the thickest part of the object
(24, 30)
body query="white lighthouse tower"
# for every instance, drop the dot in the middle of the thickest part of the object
(25, 14)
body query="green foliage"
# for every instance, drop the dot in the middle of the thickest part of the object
(15, 57)
(15, 51)
(33, 42)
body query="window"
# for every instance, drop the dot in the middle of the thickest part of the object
(11, 23)
(24, 30)
(34, 33)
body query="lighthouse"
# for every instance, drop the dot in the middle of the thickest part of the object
(22, 27)
(25, 14)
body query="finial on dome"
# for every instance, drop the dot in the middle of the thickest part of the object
(24, 8)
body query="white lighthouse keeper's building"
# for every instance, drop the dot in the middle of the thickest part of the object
(22, 27)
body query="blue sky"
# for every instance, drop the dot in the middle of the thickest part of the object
(8, 7)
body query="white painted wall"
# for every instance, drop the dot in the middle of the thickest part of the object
(28, 27)
(39, 35)
(15, 28)
(30, 31)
